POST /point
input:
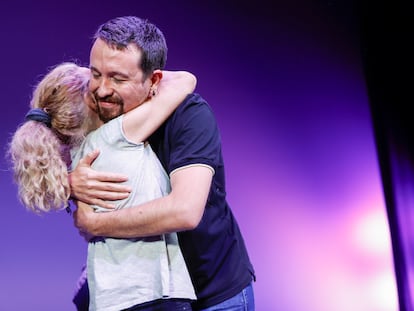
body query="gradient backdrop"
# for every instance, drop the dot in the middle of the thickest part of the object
(286, 82)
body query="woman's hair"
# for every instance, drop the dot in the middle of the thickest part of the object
(39, 153)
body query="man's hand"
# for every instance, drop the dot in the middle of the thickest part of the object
(82, 216)
(93, 187)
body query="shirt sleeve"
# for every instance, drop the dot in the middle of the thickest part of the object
(194, 137)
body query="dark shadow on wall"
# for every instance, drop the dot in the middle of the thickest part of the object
(386, 42)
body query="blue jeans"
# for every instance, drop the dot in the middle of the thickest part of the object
(243, 301)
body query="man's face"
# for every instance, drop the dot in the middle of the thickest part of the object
(116, 80)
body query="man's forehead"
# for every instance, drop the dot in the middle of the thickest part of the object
(113, 50)
(106, 58)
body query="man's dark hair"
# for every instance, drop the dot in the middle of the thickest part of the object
(121, 31)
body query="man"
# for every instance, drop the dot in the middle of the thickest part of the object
(189, 147)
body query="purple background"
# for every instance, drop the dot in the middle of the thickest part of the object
(286, 82)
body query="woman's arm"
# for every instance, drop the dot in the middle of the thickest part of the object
(171, 89)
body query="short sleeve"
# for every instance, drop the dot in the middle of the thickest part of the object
(193, 135)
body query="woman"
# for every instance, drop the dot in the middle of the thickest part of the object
(122, 273)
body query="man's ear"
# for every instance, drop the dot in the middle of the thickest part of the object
(156, 77)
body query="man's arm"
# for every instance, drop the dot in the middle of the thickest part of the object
(180, 210)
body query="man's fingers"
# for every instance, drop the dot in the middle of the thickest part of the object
(93, 187)
(96, 183)
(111, 196)
(89, 158)
(102, 203)
(111, 177)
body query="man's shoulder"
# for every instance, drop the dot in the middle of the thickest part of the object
(193, 98)
(193, 103)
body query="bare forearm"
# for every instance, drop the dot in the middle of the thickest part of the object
(180, 210)
(152, 218)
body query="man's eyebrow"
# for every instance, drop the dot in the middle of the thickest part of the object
(93, 68)
(111, 73)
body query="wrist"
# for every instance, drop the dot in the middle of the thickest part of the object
(96, 223)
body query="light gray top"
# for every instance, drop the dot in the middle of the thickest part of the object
(125, 272)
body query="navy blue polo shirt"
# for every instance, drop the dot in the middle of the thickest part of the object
(215, 252)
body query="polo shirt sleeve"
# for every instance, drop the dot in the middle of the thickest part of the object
(194, 137)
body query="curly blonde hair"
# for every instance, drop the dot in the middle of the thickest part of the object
(39, 154)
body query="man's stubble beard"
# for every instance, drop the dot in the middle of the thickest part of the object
(106, 115)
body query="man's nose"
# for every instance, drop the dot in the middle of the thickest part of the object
(104, 88)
